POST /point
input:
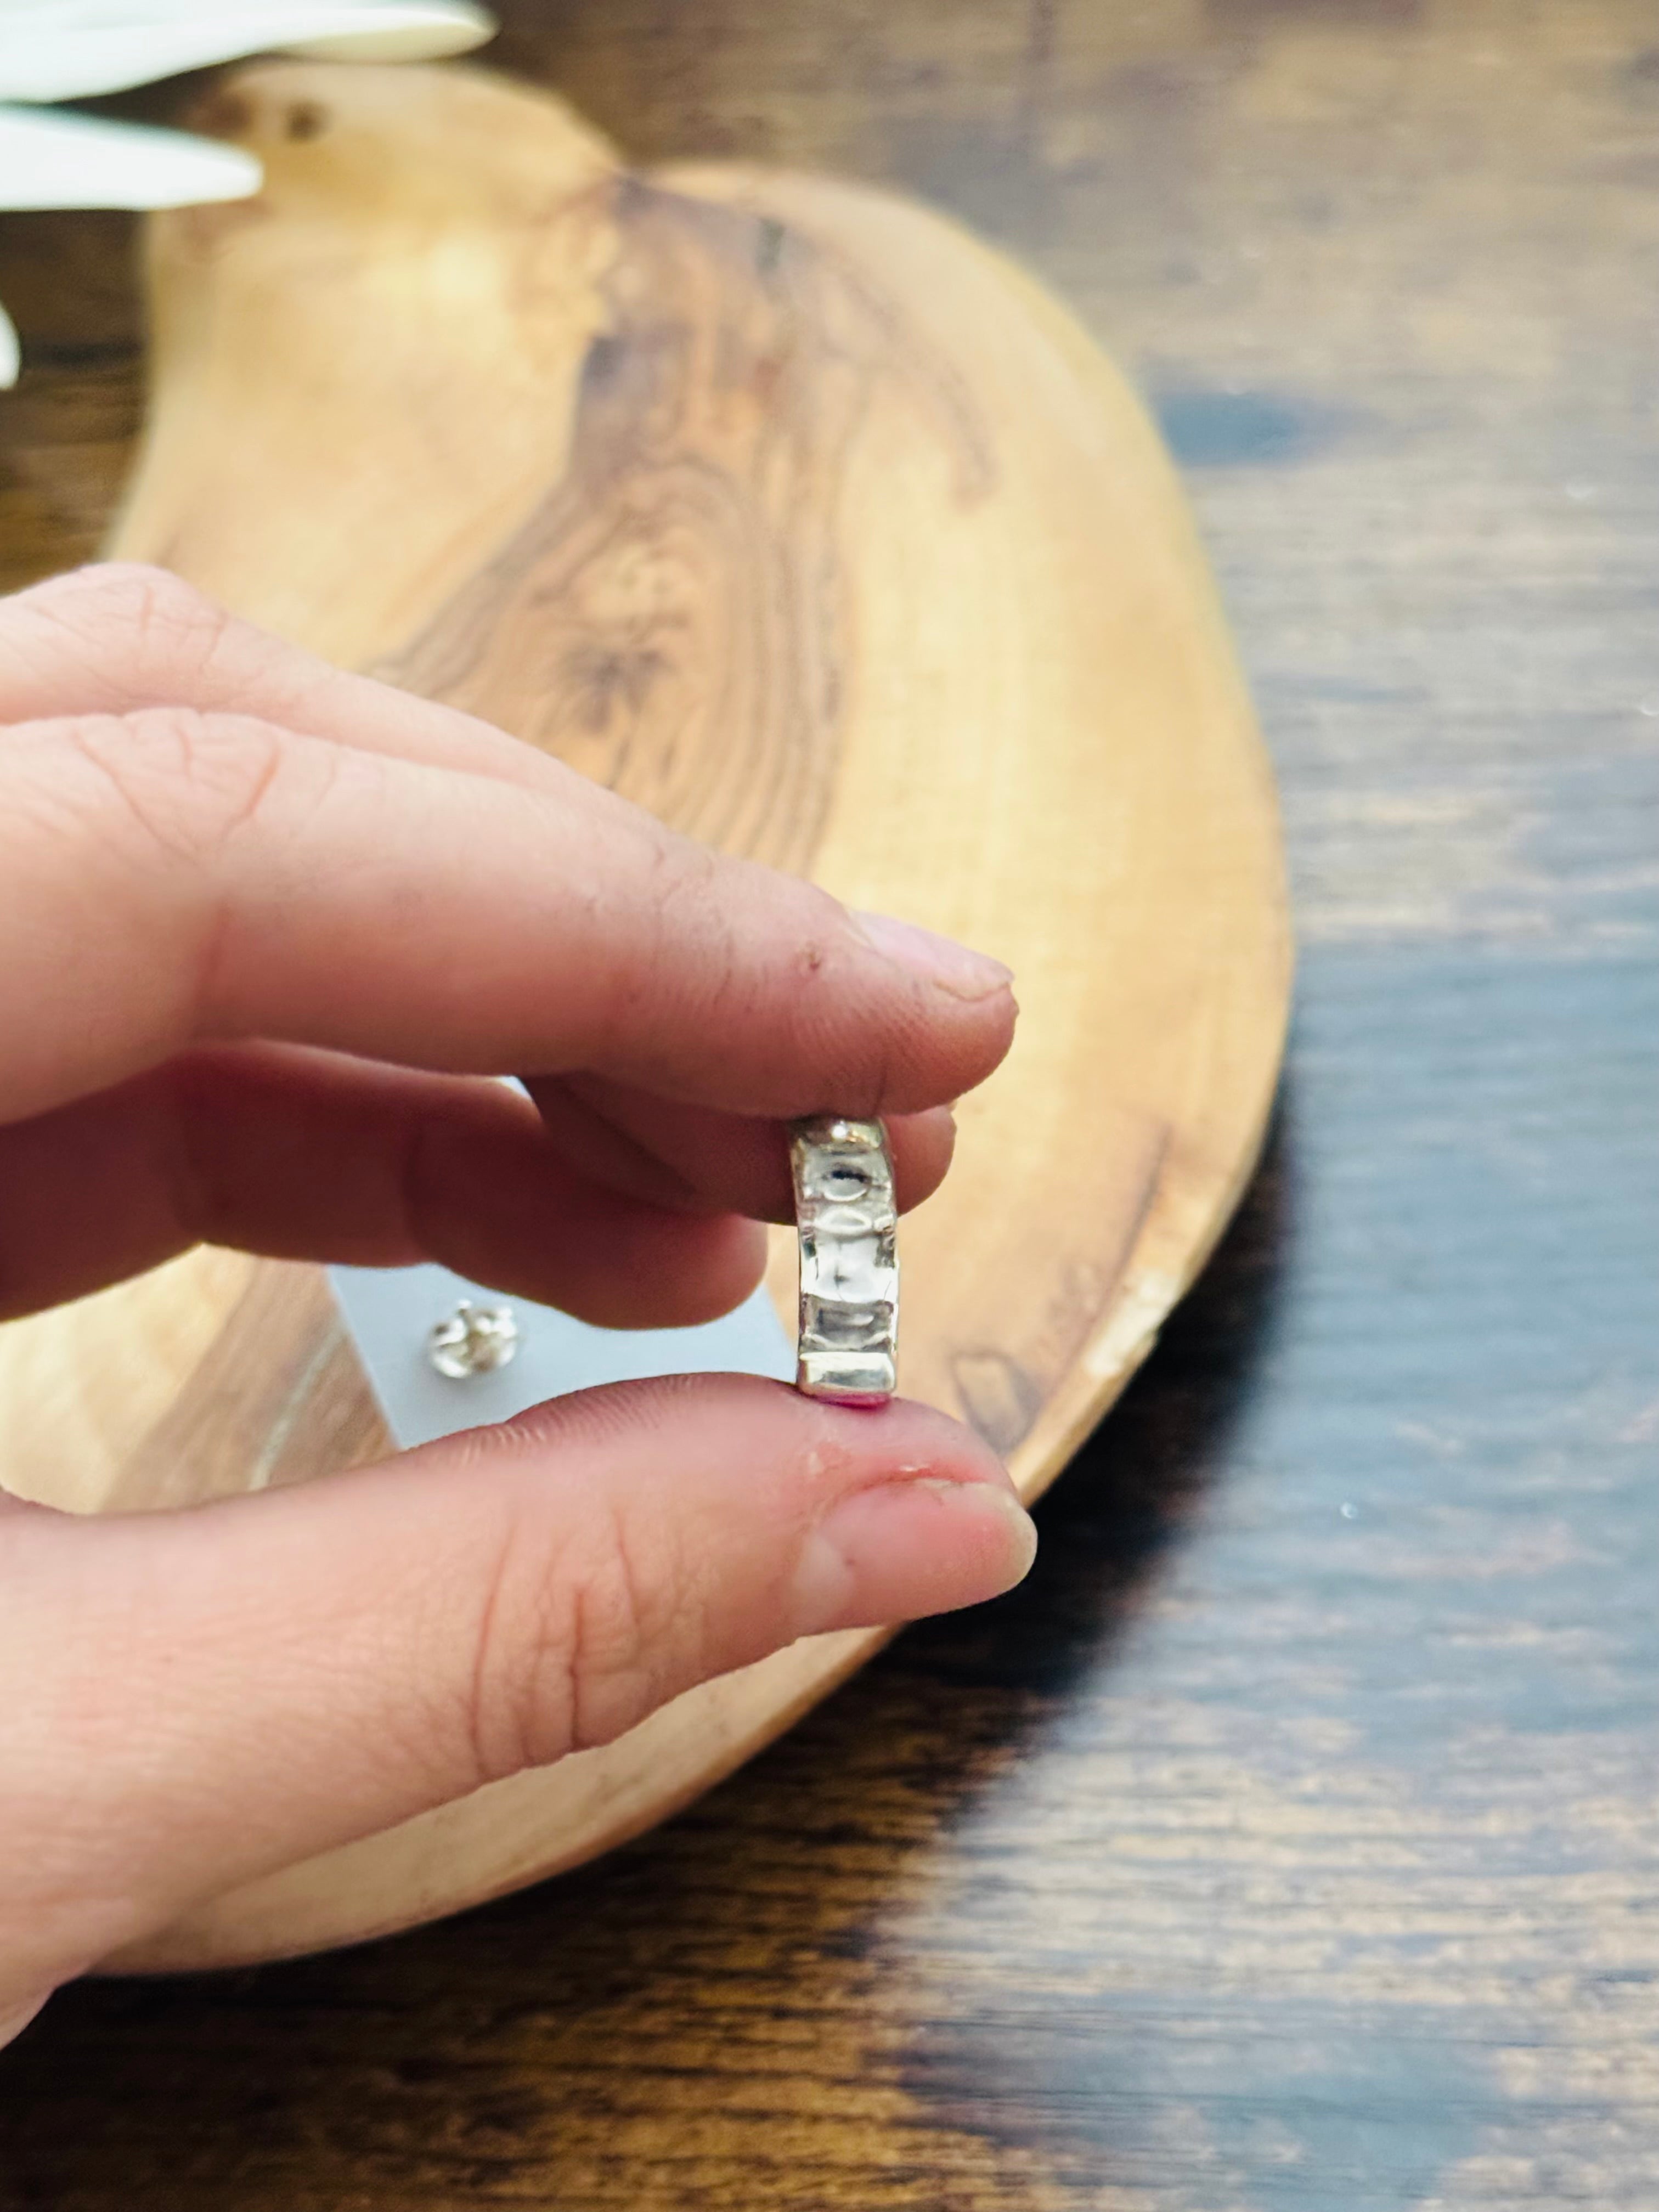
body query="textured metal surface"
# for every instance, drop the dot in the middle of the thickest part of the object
(844, 1207)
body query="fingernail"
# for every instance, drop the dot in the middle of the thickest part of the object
(903, 1550)
(941, 960)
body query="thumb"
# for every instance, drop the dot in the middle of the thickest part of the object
(210, 1694)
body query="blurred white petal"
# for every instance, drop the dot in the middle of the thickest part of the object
(397, 31)
(74, 49)
(67, 160)
(9, 355)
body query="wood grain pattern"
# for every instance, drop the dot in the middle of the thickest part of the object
(717, 414)
(1291, 1840)
(272, 1389)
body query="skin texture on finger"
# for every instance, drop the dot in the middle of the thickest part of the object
(691, 1157)
(217, 1692)
(211, 878)
(307, 1155)
(119, 636)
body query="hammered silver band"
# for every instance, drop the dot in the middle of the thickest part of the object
(848, 1223)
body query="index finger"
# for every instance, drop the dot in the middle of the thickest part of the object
(206, 877)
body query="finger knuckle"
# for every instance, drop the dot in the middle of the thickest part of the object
(159, 630)
(187, 781)
(568, 1645)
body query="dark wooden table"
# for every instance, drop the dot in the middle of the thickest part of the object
(1290, 1842)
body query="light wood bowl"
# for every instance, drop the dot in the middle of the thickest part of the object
(797, 514)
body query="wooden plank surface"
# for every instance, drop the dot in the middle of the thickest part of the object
(1291, 1840)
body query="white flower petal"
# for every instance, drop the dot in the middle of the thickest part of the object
(10, 357)
(74, 49)
(398, 30)
(64, 160)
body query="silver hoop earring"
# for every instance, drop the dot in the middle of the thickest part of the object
(848, 1223)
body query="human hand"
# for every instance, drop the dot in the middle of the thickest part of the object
(267, 930)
